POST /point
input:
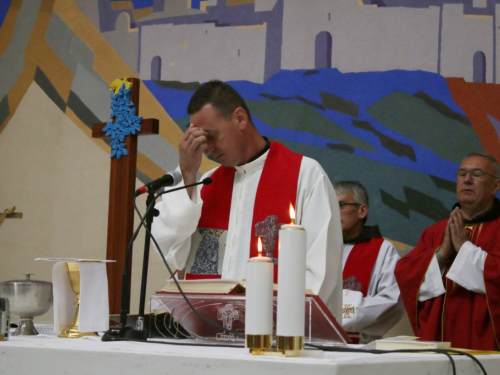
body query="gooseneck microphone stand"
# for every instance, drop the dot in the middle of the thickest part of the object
(122, 331)
(150, 214)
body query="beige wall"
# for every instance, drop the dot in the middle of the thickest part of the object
(59, 179)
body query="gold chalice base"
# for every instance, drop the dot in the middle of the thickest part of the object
(72, 332)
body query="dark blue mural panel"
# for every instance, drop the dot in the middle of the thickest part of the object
(385, 129)
(4, 8)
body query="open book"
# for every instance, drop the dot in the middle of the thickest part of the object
(406, 342)
(211, 286)
(205, 286)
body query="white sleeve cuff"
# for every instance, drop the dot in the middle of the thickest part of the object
(432, 285)
(467, 269)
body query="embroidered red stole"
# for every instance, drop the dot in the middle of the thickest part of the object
(277, 188)
(361, 261)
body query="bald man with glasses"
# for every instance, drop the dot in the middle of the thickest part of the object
(450, 281)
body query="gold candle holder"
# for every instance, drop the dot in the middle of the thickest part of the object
(258, 344)
(290, 346)
(71, 332)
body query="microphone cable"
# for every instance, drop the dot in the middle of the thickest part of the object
(447, 352)
(205, 181)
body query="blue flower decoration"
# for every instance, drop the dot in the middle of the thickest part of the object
(126, 122)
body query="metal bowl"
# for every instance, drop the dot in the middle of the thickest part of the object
(27, 299)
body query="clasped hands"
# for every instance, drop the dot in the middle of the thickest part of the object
(455, 235)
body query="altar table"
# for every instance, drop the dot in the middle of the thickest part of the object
(48, 354)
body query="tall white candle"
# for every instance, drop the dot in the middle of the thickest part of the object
(259, 295)
(291, 279)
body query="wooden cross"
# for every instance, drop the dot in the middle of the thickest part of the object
(121, 193)
(10, 213)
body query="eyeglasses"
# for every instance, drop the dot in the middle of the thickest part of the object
(344, 204)
(476, 174)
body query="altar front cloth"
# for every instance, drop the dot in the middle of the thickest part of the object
(48, 354)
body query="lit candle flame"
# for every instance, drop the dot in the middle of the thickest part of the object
(259, 247)
(292, 214)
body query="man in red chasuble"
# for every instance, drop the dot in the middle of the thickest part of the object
(371, 303)
(211, 232)
(450, 281)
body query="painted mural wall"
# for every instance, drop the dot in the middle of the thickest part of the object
(393, 93)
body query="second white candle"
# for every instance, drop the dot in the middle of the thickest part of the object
(291, 281)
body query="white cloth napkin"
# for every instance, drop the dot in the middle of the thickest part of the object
(94, 305)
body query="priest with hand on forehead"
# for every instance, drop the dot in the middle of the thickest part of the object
(211, 231)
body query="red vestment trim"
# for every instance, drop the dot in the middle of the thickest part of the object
(361, 261)
(276, 190)
(200, 276)
(217, 199)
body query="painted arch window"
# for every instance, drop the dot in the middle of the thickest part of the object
(323, 50)
(479, 67)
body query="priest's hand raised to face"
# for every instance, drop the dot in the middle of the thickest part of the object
(191, 148)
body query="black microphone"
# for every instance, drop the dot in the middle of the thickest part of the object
(205, 181)
(169, 179)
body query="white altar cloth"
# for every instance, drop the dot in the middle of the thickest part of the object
(48, 354)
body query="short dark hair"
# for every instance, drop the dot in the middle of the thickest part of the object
(221, 96)
(489, 157)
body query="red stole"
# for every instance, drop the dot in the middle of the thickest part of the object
(467, 319)
(361, 261)
(277, 188)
